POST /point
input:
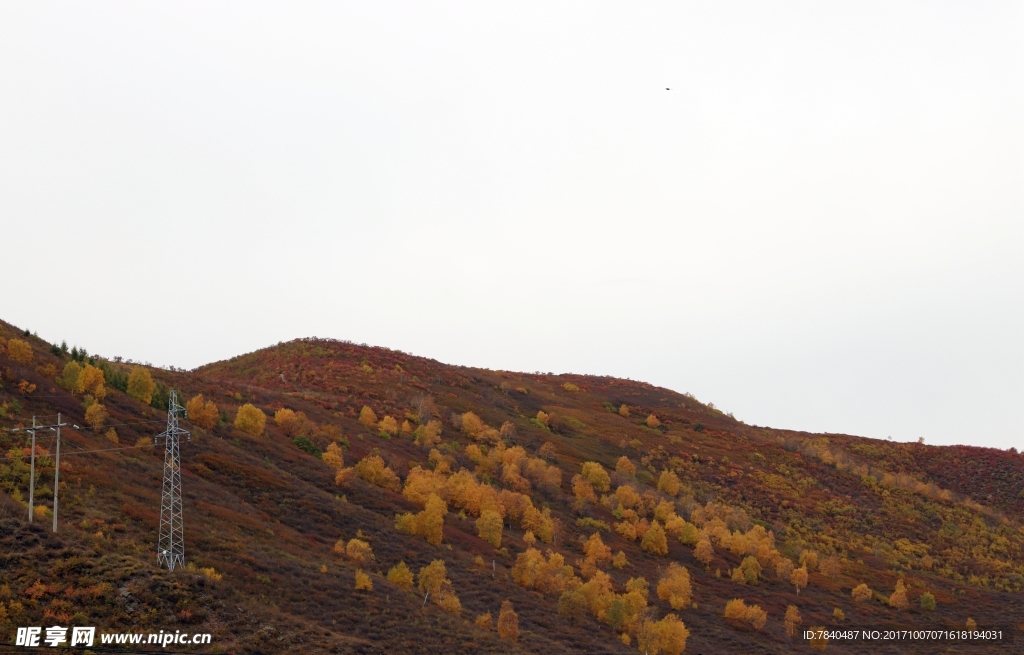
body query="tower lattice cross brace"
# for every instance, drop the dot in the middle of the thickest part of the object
(170, 549)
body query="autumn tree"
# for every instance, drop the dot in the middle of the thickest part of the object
(484, 621)
(927, 601)
(358, 551)
(202, 412)
(400, 575)
(799, 578)
(95, 416)
(473, 425)
(736, 610)
(250, 419)
(665, 637)
(428, 524)
(757, 617)
(20, 351)
(583, 491)
(784, 568)
(624, 466)
(288, 420)
(367, 417)
(595, 474)
(547, 451)
(141, 385)
(971, 624)
(69, 377)
(508, 622)
(668, 483)
(689, 534)
(334, 456)
(620, 561)
(428, 435)
(819, 637)
(431, 577)
(596, 550)
(809, 560)
(363, 581)
(674, 587)
(654, 540)
(751, 569)
(90, 381)
(372, 469)
(862, 593)
(489, 527)
(792, 620)
(388, 426)
(898, 599)
(830, 567)
(704, 553)
(623, 410)
(434, 582)
(572, 604)
(652, 421)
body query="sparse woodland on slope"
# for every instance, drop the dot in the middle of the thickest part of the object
(344, 498)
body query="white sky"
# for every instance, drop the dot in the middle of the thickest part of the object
(820, 226)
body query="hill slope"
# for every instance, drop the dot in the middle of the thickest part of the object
(266, 512)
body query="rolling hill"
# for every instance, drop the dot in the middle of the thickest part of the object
(370, 457)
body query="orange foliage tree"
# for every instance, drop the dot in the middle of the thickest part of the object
(898, 599)
(489, 526)
(792, 620)
(372, 469)
(799, 578)
(668, 483)
(20, 351)
(358, 551)
(400, 575)
(288, 420)
(704, 552)
(367, 417)
(363, 581)
(141, 385)
(202, 412)
(388, 426)
(861, 593)
(90, 381)
(533, 571)
(624, 466)
(652, 421)
(595, 474)
(96, 415)
(250, 419)
(665, 637)
(654, 540)
(674, 587)
(508, 622)
(428, 524)
(428, 435)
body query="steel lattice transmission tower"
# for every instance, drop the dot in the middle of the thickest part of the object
(170, 547)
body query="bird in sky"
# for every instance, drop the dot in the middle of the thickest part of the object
(667, 89)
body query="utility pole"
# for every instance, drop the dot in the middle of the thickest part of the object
(32, 473)
(170, 548)
(56, 473)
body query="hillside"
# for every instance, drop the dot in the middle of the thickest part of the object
(656, 474)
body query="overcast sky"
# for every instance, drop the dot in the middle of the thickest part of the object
(819, 226)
